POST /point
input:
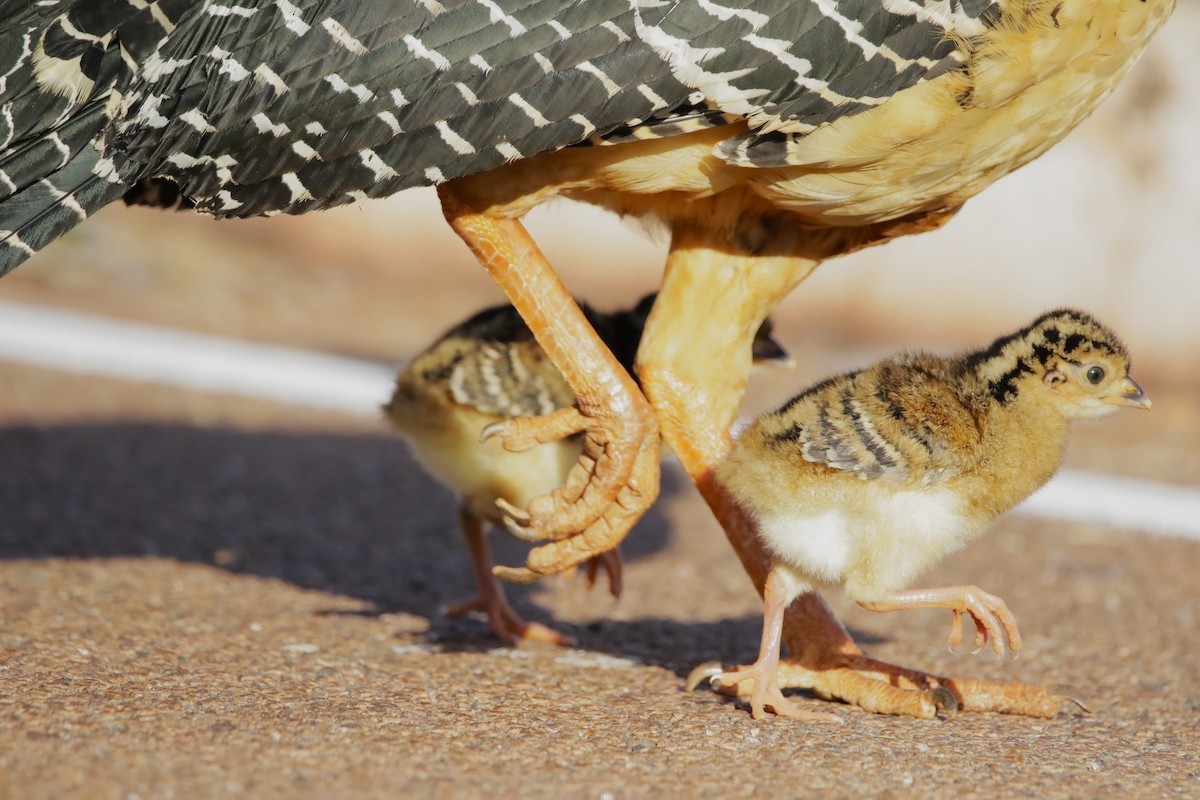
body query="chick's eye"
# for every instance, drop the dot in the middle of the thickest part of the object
(1095, 374)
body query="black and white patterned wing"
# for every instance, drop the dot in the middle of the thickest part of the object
(61, 61)
(266, 106)
(791, 67)
(277, 106)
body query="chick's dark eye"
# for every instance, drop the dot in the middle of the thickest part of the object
(1095, 374)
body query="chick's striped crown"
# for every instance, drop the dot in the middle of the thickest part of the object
(1067, 334)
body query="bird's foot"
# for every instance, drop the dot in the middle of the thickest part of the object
(993, 621)
(604, 494)
(764, 693)
(506, 624)
(882, 688)
(616, 478)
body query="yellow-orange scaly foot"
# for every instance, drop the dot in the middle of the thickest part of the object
(616, 479)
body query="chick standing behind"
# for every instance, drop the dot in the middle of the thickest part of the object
(864, 480)
(485, 370)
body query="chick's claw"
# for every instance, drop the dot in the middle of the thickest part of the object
(956, 631)
(767, 694)
(992, 619)
(505, 623)
(703, 673)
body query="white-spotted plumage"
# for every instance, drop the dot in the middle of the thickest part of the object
(824, 87)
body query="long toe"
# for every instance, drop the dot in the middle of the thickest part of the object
(626, 506)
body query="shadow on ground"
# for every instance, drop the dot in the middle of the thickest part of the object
(348, 515)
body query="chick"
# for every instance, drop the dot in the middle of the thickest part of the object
(864, 480)
(486, 370)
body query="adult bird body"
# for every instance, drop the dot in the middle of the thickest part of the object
(767, 136)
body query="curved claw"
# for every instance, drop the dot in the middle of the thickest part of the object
(519, 531)
(994, 623)
(1067, 694)
(516, 522)
(490, 430)
(568, 548)
(945, 701)
(702, 673)
(523, 433)
(518, 515)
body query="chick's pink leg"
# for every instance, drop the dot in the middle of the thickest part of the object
(504, 622)
(765, 671)
(992, 618)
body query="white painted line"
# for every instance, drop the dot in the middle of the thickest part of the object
(100, 346)
(1122, 502)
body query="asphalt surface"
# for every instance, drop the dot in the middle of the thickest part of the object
(210, 596)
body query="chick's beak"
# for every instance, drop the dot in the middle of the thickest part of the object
(1131, 395)
(770, 353)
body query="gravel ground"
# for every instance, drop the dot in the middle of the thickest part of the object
(208, 596)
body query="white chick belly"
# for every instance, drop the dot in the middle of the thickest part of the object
(816, 546)
(871, 552)
(905, 533)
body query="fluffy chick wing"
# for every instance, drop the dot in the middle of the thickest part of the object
(902, 420)
(491, 363)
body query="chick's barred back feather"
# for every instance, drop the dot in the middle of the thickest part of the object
(269, 106)
(491, 362)
(899, 421)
